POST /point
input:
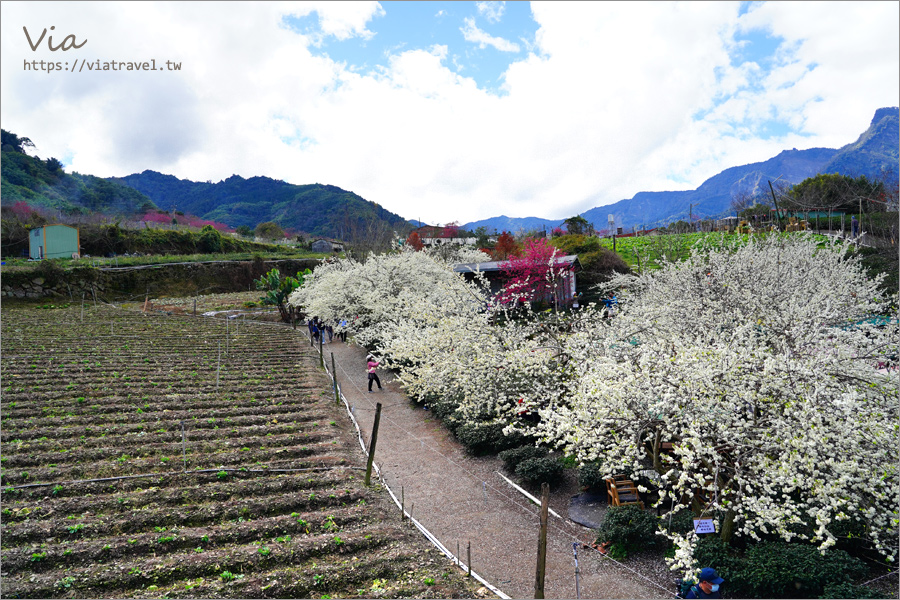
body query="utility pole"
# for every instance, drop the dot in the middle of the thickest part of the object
(775, 200)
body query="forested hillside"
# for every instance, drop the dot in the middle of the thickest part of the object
(44, 184)
(316, 209)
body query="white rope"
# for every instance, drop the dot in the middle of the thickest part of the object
(428, 535)
(494, 488)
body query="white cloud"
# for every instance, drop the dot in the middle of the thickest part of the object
(492, 11)
(601, 109)
(471, 33)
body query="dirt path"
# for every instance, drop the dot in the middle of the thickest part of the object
(461, 499)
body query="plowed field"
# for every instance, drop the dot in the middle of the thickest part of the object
(146, 455)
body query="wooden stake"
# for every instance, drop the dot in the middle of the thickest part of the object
(337, 397)
(372, 443)
(469, 558)
(218, 366)
(542, 544)
(577, 572)
(183, 446)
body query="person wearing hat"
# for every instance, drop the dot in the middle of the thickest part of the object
(708, 586)
(371, 365)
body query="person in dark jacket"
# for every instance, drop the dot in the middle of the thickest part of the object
(708, 586)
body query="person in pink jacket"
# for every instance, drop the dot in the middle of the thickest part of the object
(371, 365)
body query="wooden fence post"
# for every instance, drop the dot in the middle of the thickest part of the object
(372, 443)
(542, 543)
(337, 396)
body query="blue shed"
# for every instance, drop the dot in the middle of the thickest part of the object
(54, 241)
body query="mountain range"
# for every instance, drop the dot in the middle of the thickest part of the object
(317, 209)
(329, 211)
(876, 151)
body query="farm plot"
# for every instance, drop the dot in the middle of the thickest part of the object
(151, 455)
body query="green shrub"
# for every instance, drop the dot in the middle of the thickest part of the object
(631, 528)
(782, 570)
(682, 522)
(210, 240)
(546, 469)
(512, 457)
(591, 476)
(486, 437)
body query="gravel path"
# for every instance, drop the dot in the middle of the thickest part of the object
(462, 500)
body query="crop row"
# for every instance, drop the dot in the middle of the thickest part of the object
(148, 455)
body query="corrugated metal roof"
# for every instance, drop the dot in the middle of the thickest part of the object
(487, 267)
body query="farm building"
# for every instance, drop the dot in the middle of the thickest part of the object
(433, 235)
(494, 274)
(327, 246)
(54, 241)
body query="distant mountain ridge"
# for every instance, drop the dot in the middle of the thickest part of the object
(876, 149)
(317, 209)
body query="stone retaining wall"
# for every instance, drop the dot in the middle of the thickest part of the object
(129, 283)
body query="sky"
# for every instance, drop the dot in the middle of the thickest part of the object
(445, 111)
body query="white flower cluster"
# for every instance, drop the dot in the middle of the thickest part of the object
(748, 377)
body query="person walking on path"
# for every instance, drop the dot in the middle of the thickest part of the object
(371, 365)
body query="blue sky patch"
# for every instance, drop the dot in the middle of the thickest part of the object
(756, 46)
(482, 38)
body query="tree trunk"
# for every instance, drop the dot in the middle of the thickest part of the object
(727, 527)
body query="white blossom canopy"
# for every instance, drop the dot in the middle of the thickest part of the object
(750, 377)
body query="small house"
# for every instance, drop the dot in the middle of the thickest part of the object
(54, 241)
(496, 276)
(326, 246)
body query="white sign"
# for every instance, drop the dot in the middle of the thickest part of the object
(704, 526)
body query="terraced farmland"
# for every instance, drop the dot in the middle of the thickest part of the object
(150, 455)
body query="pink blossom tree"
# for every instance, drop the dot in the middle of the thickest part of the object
(535, 274)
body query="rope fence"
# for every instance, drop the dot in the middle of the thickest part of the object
(567, 529)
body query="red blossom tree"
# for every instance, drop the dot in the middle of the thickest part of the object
(415, 242)
(506, 247)
(450, 230)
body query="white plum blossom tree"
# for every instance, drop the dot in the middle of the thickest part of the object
(750, 377)
(370, 295)
(759, 365)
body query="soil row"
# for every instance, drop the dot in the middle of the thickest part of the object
(272, 503)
